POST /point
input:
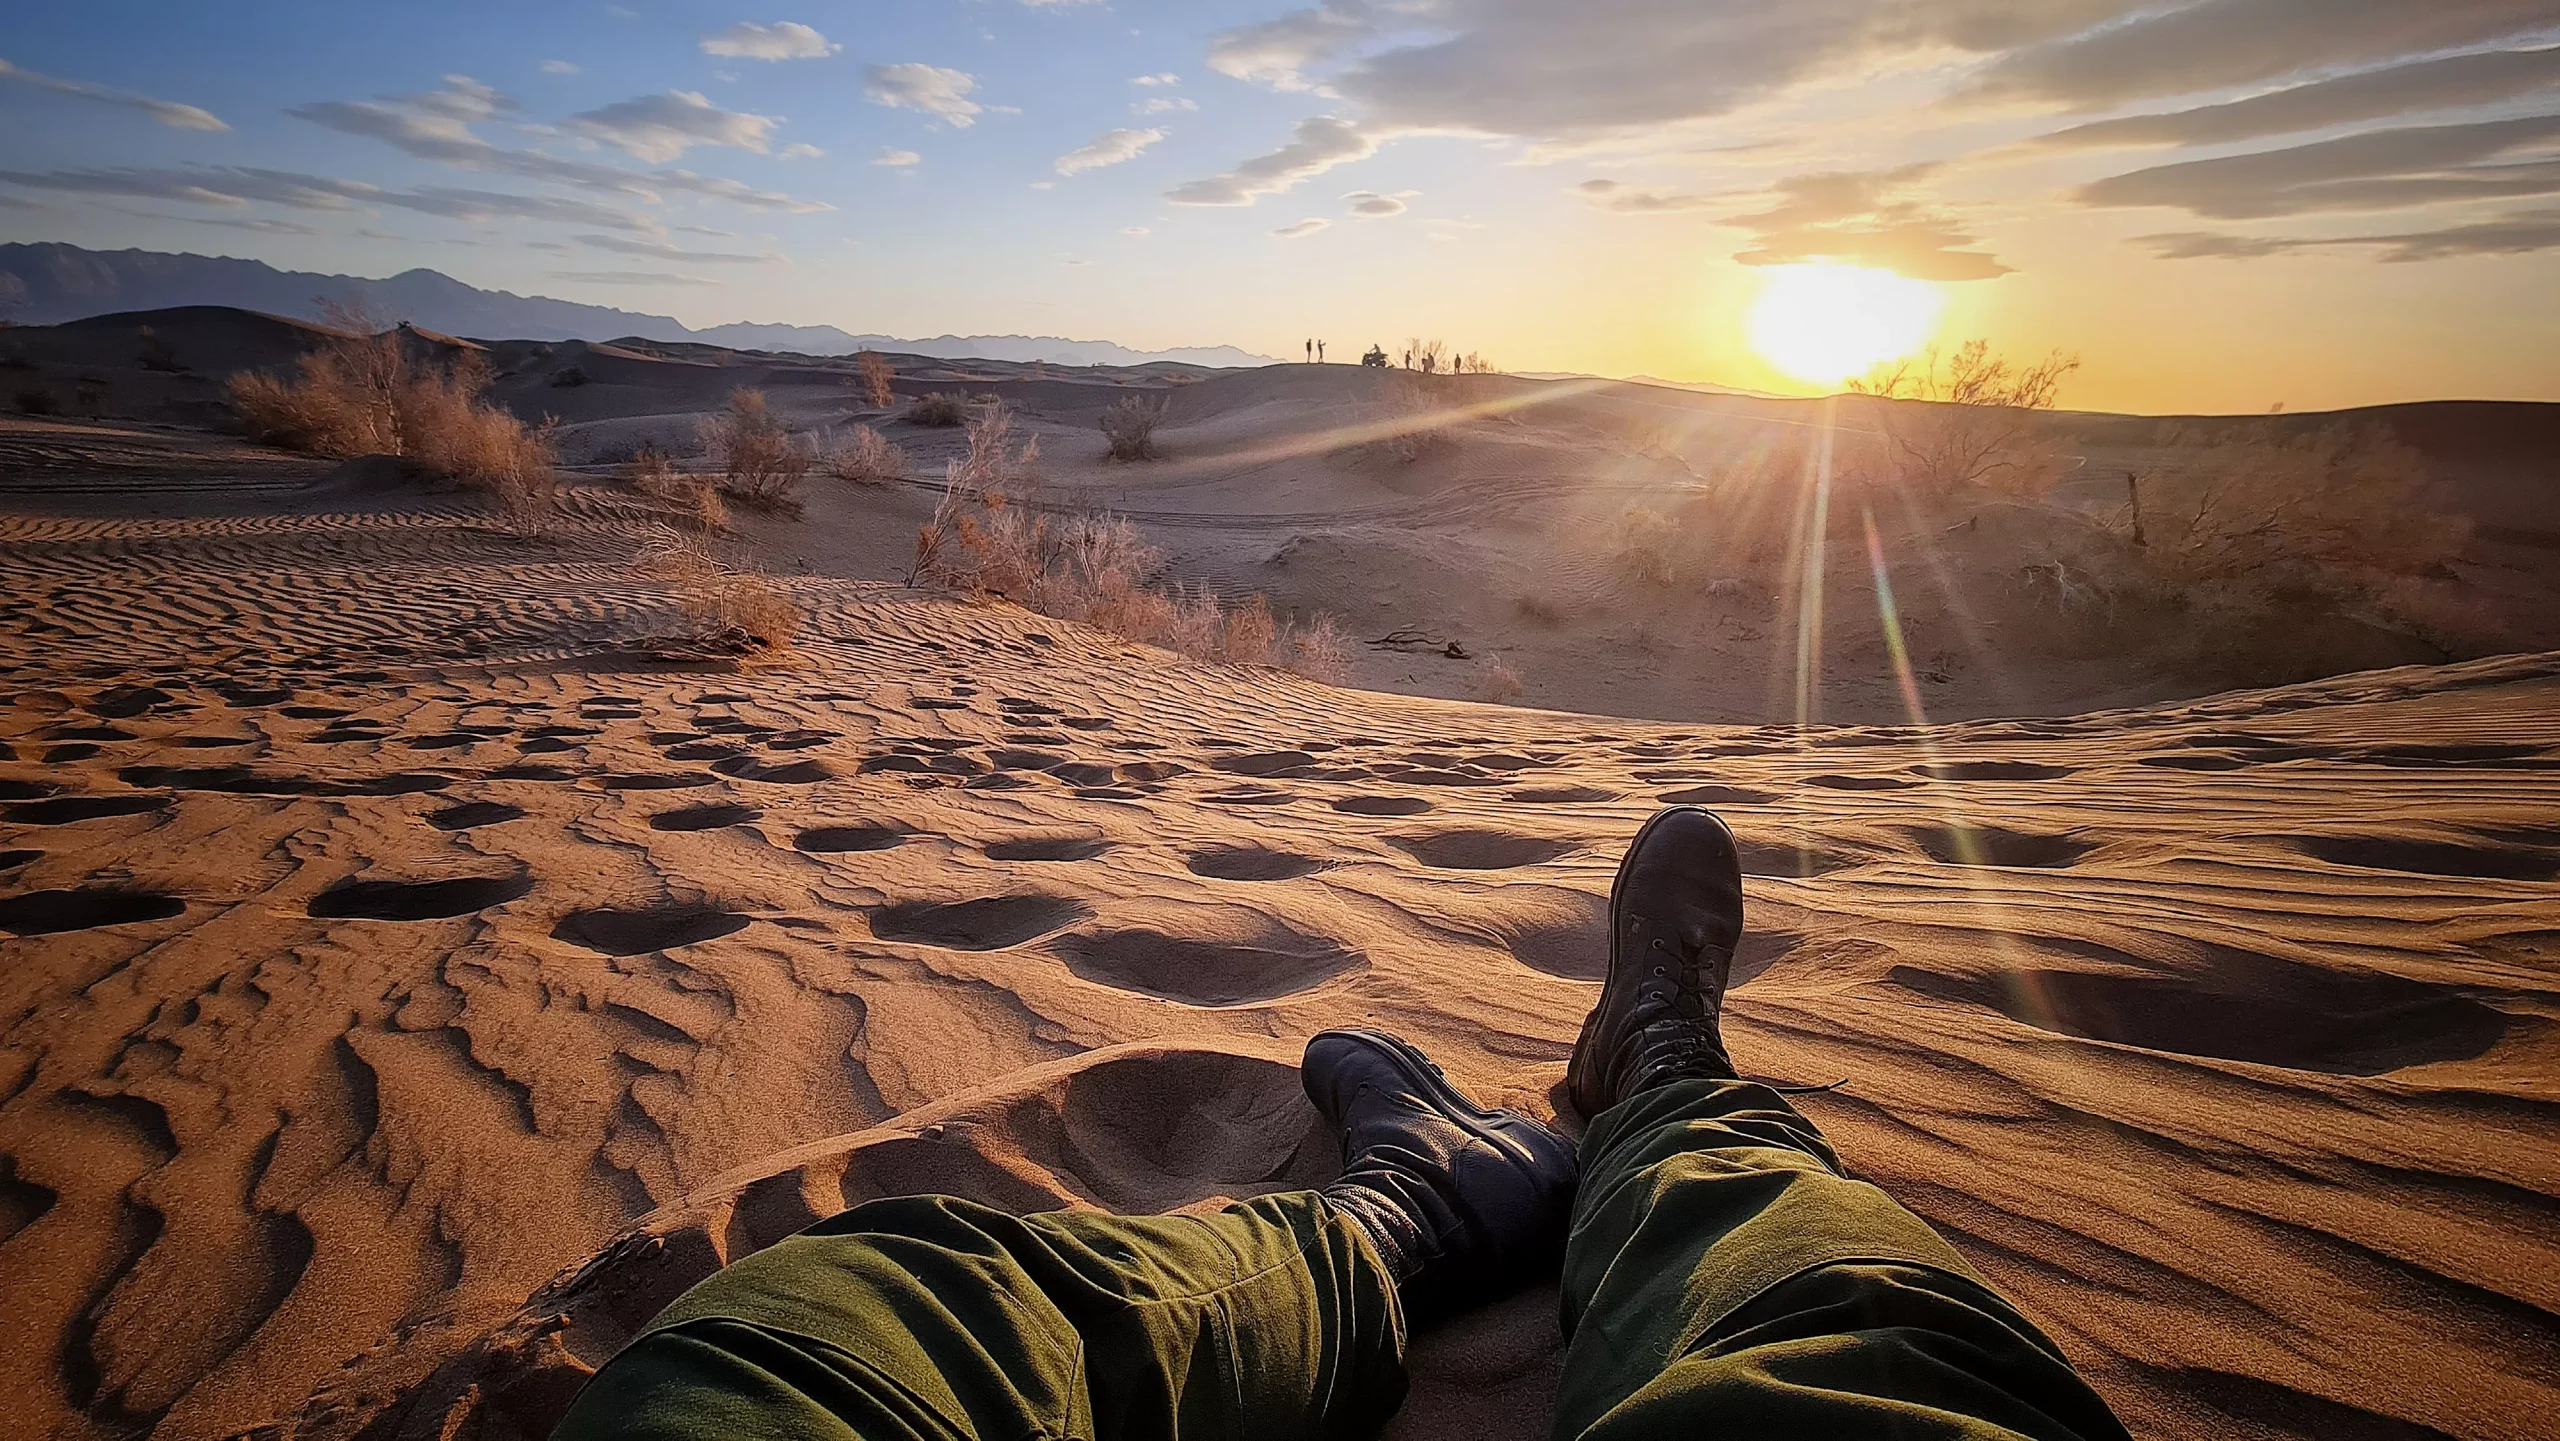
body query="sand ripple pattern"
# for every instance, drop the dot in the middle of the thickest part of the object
(388, 971)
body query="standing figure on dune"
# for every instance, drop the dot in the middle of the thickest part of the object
(1311, 352)
(1319, 352)
(1723, 1275)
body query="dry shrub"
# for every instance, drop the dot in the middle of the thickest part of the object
(2334, 511)
(1130, 422)
(1975, 424)
(1416, 423)
(731, 611)
(36, 400)
(867, 459)
(871, 380)
(689, 502)
(361, 393)
(1092, 568)
(939, 410)
(760, 466)
(1540, 609)
(1499, 684)
(1647, 541)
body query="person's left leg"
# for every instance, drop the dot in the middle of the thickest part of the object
(1281, 1319)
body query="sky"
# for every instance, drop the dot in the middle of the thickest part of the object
(2218, 205)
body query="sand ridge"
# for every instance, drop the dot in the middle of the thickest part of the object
(402, 987)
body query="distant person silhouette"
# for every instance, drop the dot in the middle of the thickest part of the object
(1311, 352)
(1319, 352)
(1723, 1276)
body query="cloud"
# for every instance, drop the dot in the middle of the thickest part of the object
(1303, 228)
(1370, 205)
(1167, 78)
(662, 127)
(789, 40)
(2519, 234)
(2450, 81)
(1853, 218)
(938, 92)
(2217, 43)
(800, 150)
(1164, 104)
(1628, 200)
(1278, 52)
(239, 186)
(661, 250)
(435, 127)
(1136, 232)
(1112, 148)
(560, 67)
(2378, 170)
(167, 112)
(630, 277)
(262, 227)
(1323, 142)
(899, 159)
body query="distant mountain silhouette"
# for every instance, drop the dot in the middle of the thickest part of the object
(50, 283)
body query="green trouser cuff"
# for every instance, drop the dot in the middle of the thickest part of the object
(931, 1317)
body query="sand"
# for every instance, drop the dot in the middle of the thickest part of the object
(404, 990)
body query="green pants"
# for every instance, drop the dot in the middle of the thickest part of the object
(1723, 1279)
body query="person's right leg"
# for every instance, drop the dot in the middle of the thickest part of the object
(1724, 1275)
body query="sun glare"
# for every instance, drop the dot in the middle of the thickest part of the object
(1826, 323)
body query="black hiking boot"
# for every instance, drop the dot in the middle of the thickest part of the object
(1463, 1204)
(1675, 915)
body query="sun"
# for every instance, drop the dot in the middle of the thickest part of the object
(1826, 323)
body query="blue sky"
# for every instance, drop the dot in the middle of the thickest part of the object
(2219, 203)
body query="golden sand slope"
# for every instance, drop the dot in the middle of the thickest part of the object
(376, 950)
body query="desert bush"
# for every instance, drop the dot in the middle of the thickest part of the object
(156, 352)
(689, 502)
(759, 465)
(939, 410)
(867, 459)
(1539, 609)
(2330, 511)
(871, 380)
(730, 611)
(568, 377)
(1499, 684)
(360, 393)
(1319, 650)
(1975, 421)
(1647, 541)
(35, 400)
(1416, 423)
(1130, 422)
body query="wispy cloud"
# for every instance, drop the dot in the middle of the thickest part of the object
(560, 67)
(1370, 205)
(2378, 170)
(1113, 148)
(935, 91)
(2450, 81)
(240, 186)
(788, 40)
(1303, 228)
(2519, 234)
(662, 127)
(631, 277)
(899, 159)
(661, 250)
(1323, 142)
(167, 112)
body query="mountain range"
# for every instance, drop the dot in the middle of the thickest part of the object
(45, 284)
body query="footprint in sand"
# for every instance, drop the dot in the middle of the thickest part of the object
(639, 930)
(1992, 771)
(1717, 796)
(1253, 863)
(1481, 850)
(2482, 860)
(473, 814)
(1992, 846)
(703, 818)
(836, 840)
(45, 913)
(1860, 783)
(987, 924)
(64, 810)
(1560, 796)
(1209, 973)
(1048, 848)
(1382, 805)
(417, 900)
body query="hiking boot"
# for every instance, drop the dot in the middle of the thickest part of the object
(1675, 915)
(1463, 1204)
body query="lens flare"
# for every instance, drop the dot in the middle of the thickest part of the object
(1826, 323)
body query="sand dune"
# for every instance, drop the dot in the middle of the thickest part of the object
(402, 991)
